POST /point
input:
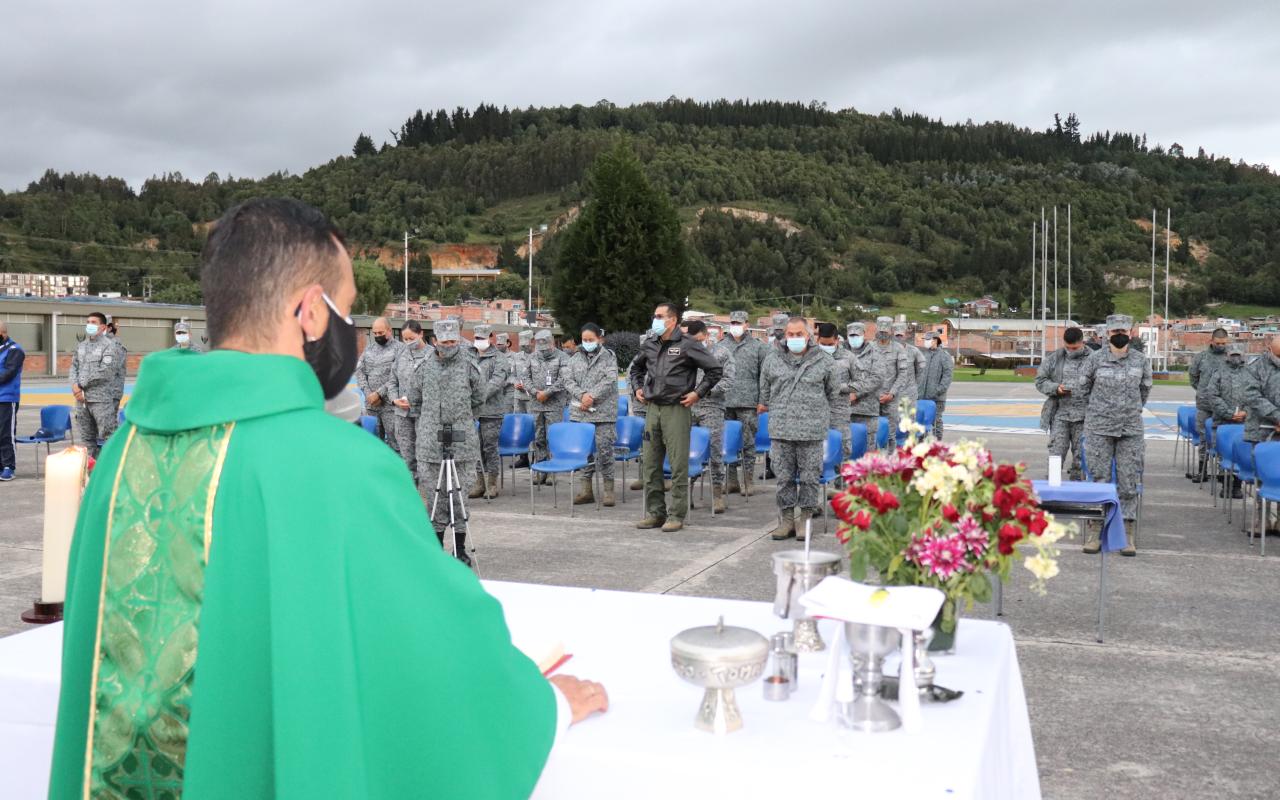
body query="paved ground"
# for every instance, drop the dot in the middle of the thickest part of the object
(1176, 704)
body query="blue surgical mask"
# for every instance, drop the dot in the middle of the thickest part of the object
(796, 344)
(91, 329)
(827, 348)
(659, 325)
(855, 342)
(590, 347)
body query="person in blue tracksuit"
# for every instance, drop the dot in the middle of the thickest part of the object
(11, 358)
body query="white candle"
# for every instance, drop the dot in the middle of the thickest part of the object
(1055, 470)
(64, 475)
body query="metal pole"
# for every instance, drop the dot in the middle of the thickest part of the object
(1168, 218)
(406, 275)
(529, 311)
(1069, 261)
(1055, 265)
(1033, 285)
(1044, 283)
(1153, 264)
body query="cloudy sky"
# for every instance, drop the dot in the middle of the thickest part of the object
(247, 88)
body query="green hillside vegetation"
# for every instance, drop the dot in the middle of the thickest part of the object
(896, 210)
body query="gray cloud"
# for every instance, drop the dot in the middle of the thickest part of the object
(248, 88)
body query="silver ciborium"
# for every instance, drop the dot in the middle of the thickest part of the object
(719, 658)
(869, 644)
(797, 573)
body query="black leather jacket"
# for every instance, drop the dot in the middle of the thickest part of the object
(667, 369)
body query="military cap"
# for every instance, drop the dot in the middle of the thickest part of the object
(738, 317)
(780, 320)
(856, 329)
(883, 322)
(899, 327)
(543, 335)
(501, 338)
(932, 335)
(181, 327)
(1119, 322)
(526, 336)
(446, 330)
(1237, 348)
(482, 331)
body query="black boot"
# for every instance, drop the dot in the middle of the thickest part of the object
(1202, 474)
(768, 469)
(1236, 493)
(522, 462)
(460, 542)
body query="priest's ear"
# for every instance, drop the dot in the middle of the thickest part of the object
(312, 312)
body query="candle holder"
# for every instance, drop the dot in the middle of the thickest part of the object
(43, 613)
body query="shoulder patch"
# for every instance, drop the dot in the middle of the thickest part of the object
(675, 351)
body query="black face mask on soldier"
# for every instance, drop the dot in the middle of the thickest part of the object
(381, 340)
(333, 356)
(1119, 340)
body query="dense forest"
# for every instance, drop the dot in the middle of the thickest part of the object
(867, 205)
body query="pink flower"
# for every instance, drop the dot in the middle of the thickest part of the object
(943, 556)
(973, 535)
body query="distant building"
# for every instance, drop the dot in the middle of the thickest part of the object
(982, 307)
(494, 312)
(31, 284)
(465, 275)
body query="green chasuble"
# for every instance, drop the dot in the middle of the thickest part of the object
(258, 607)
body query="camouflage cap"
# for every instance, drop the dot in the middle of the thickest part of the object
(446, 330)
(738, 317)
(543, 335)
(482, 331)
(780, 321)
(1119, 322)
(932, 335)
(181, 327)
(899, 327)
(1237, 349)
(501, 338)
(526, 336)
(856, 329)
(882, 322)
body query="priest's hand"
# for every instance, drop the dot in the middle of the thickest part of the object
(373, 400)
(585, 697)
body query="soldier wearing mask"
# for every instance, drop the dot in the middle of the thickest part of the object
(544, 378)
(897, 376)
(743, 397)
(501, 342)
(182, 338)
(495, 370)
(452, 389)
(1117, 381)
(841, 374)
(406, 393)
(708, 412)
(797, 386)
(1262, 401)
(520, 373)
(935, 380)
(1061, 380)
(591, 381)
(917, 359)
(865, 382)
(1202, 369)
(93, 372)
(777, 337)
(1226, 393)
(121, 362)
(373, 376)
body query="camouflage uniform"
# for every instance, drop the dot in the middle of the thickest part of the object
(121, 360)
(917, 360)
(1202, 368)
(748, 354)
(520, 373)
(708, 412)
(1117, 386)
(183, 327)
(897, 375)
(94, 368)
(373, 374)
(452, 390)
(595, 374)
(842, 376)
(935, 381)
(495, 369)
(546, 372)
(404, 383)
(1262, 399)
(865, 380)
(509, 393)
(796, 388)
(1226, 389)
(1063, 415)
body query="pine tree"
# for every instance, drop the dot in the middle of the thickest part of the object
(624, 255)
(364, 146)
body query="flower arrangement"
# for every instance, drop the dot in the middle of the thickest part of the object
(943, 515)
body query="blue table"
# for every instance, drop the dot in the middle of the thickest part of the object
(1066, 501)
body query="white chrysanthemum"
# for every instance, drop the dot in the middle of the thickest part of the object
(1041, 567)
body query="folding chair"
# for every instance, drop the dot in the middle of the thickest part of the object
(571, 445)
(55, 426)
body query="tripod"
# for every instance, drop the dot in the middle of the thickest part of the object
(448, 481)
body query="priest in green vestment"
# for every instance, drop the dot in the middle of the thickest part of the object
(257, 605)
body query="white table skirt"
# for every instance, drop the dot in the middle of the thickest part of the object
(646, 746)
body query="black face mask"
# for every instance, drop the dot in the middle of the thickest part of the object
(1081, 353)
(333, 356)
(380, 339)
(1218, 348)
(1119, 340)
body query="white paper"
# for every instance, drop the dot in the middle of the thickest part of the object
(911, 607)
(1055, 470)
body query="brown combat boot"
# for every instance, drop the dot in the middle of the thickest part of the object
(1092, 538)
(650, 522)
(608, 494)
(786, 526)
(477, 489)
(717, 500)
(746, 484)
(585, 494)
(491, 486)
(803, 523)
(637, 484)
(672, 525)
(733, 487)
(1129, 549)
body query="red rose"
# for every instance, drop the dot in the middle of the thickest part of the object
(842, 533)
(1023, 515)
(887, 501)
(862, 519)
(1006, 474)
(842, 505)
(988, 473)
(1019, 494)
(1010, 535)
(950, 513)
(1038, 523)
(1004, 501)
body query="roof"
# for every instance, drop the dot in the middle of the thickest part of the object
(985, 323)
(468, 272)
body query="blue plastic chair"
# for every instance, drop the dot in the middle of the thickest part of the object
(1187, 436)
(763, 442)
(927, 414)
(831, 450)
(55, 426)
(565, 415)
(1242, 457)
(1266, 462)
(624, 405)
(857, 440)
(514, 440)
(571, 445)
(1084, 469)
(370, 424)
(1223, 436)
(699, 452)
(731, 446)
(882, 433)
(627, 445)
(120, 417)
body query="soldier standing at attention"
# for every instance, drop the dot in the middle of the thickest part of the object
(182, 338)
(798, 387)
(917, 359)
(841, 358)
(592, 383)
(121, 360)
(935, 380)
(452, 390)
(544, 378)
(1227, 391)
(708, 412)
(1060, 379)
(1117, 381)
(897, 375)
(866, 382)
(1203, 366)
(495, 369)
(406, 394)
(373, 376)
(93, 371)
(740, 402)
